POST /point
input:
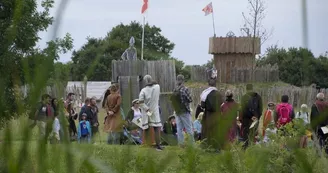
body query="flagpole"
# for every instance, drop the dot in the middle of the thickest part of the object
(143, 37)
(213, 22)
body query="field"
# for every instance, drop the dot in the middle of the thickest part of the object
(23, 153)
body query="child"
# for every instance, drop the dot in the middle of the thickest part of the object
(239, 130)
(55, 138)
(270, 130)
(268, 117)
(198, 127)
(84, 130)
(303, 114)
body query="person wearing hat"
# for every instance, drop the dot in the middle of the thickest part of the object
(84, 130)
(181, 99)
(269, 117)
(149, 104)
(133, 114)
(170, 126)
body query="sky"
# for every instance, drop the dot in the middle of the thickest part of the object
(183, 22)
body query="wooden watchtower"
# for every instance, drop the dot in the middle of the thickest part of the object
(233, 52)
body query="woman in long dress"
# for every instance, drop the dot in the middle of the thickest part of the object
(229, 111)
(113, 122)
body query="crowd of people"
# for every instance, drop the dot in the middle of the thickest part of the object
(46, 118)
(223, 121)
(219, 120)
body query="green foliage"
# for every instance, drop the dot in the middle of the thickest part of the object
(23, 151)
(209, 63)
(61, 73)
(27, 154)
(297, 66)
(58, 46)
(20, 61)
(100, 52)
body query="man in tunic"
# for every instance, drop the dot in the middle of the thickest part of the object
(251, 111)
(148, 99)
(113, 121)
(211, 101)
(131, 52)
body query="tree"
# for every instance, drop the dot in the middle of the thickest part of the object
(61, 73)
(181, 68)
(297, 66)
(253, 24)
(99, 52)
(58, 46)
(209, 63)
(20, 61)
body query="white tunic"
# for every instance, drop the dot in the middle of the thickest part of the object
(149, 99)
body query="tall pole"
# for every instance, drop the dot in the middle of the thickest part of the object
(143, 37)
(304, 23)
(213, 23)
(305, 37)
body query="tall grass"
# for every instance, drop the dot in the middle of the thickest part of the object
(23, 151)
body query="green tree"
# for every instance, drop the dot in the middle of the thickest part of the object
(181, 68)
(297, 66)
(20, 62)
(209, 63)
(99, 52)
(61, 73)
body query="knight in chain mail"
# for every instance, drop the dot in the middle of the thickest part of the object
(131, 52)
(212, 73)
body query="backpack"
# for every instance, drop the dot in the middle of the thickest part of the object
(253, 105)
(284, 115)
(299, 113)
(176, 101)
(84, 129)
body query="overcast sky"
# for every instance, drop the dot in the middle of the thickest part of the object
(184, 23)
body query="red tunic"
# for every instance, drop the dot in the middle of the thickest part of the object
(230, 108)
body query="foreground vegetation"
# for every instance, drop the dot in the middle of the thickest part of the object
(23, 63)
(22, 152)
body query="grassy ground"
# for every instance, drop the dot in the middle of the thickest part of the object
(21, 155)
(25, 154)
(99, 157)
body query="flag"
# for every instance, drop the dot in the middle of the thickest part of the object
(208, 9)
(144, 6)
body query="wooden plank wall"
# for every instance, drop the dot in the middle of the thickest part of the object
(198, 73)
(227, 62)
(162, 71)
(166, 106)
(266, 73)
(129, 89)
(224, 45)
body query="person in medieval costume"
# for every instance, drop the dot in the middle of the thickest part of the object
(211, 100)
(113, 122)
(131, 52)
(148, 100)
(212, 73)
(230, 113)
